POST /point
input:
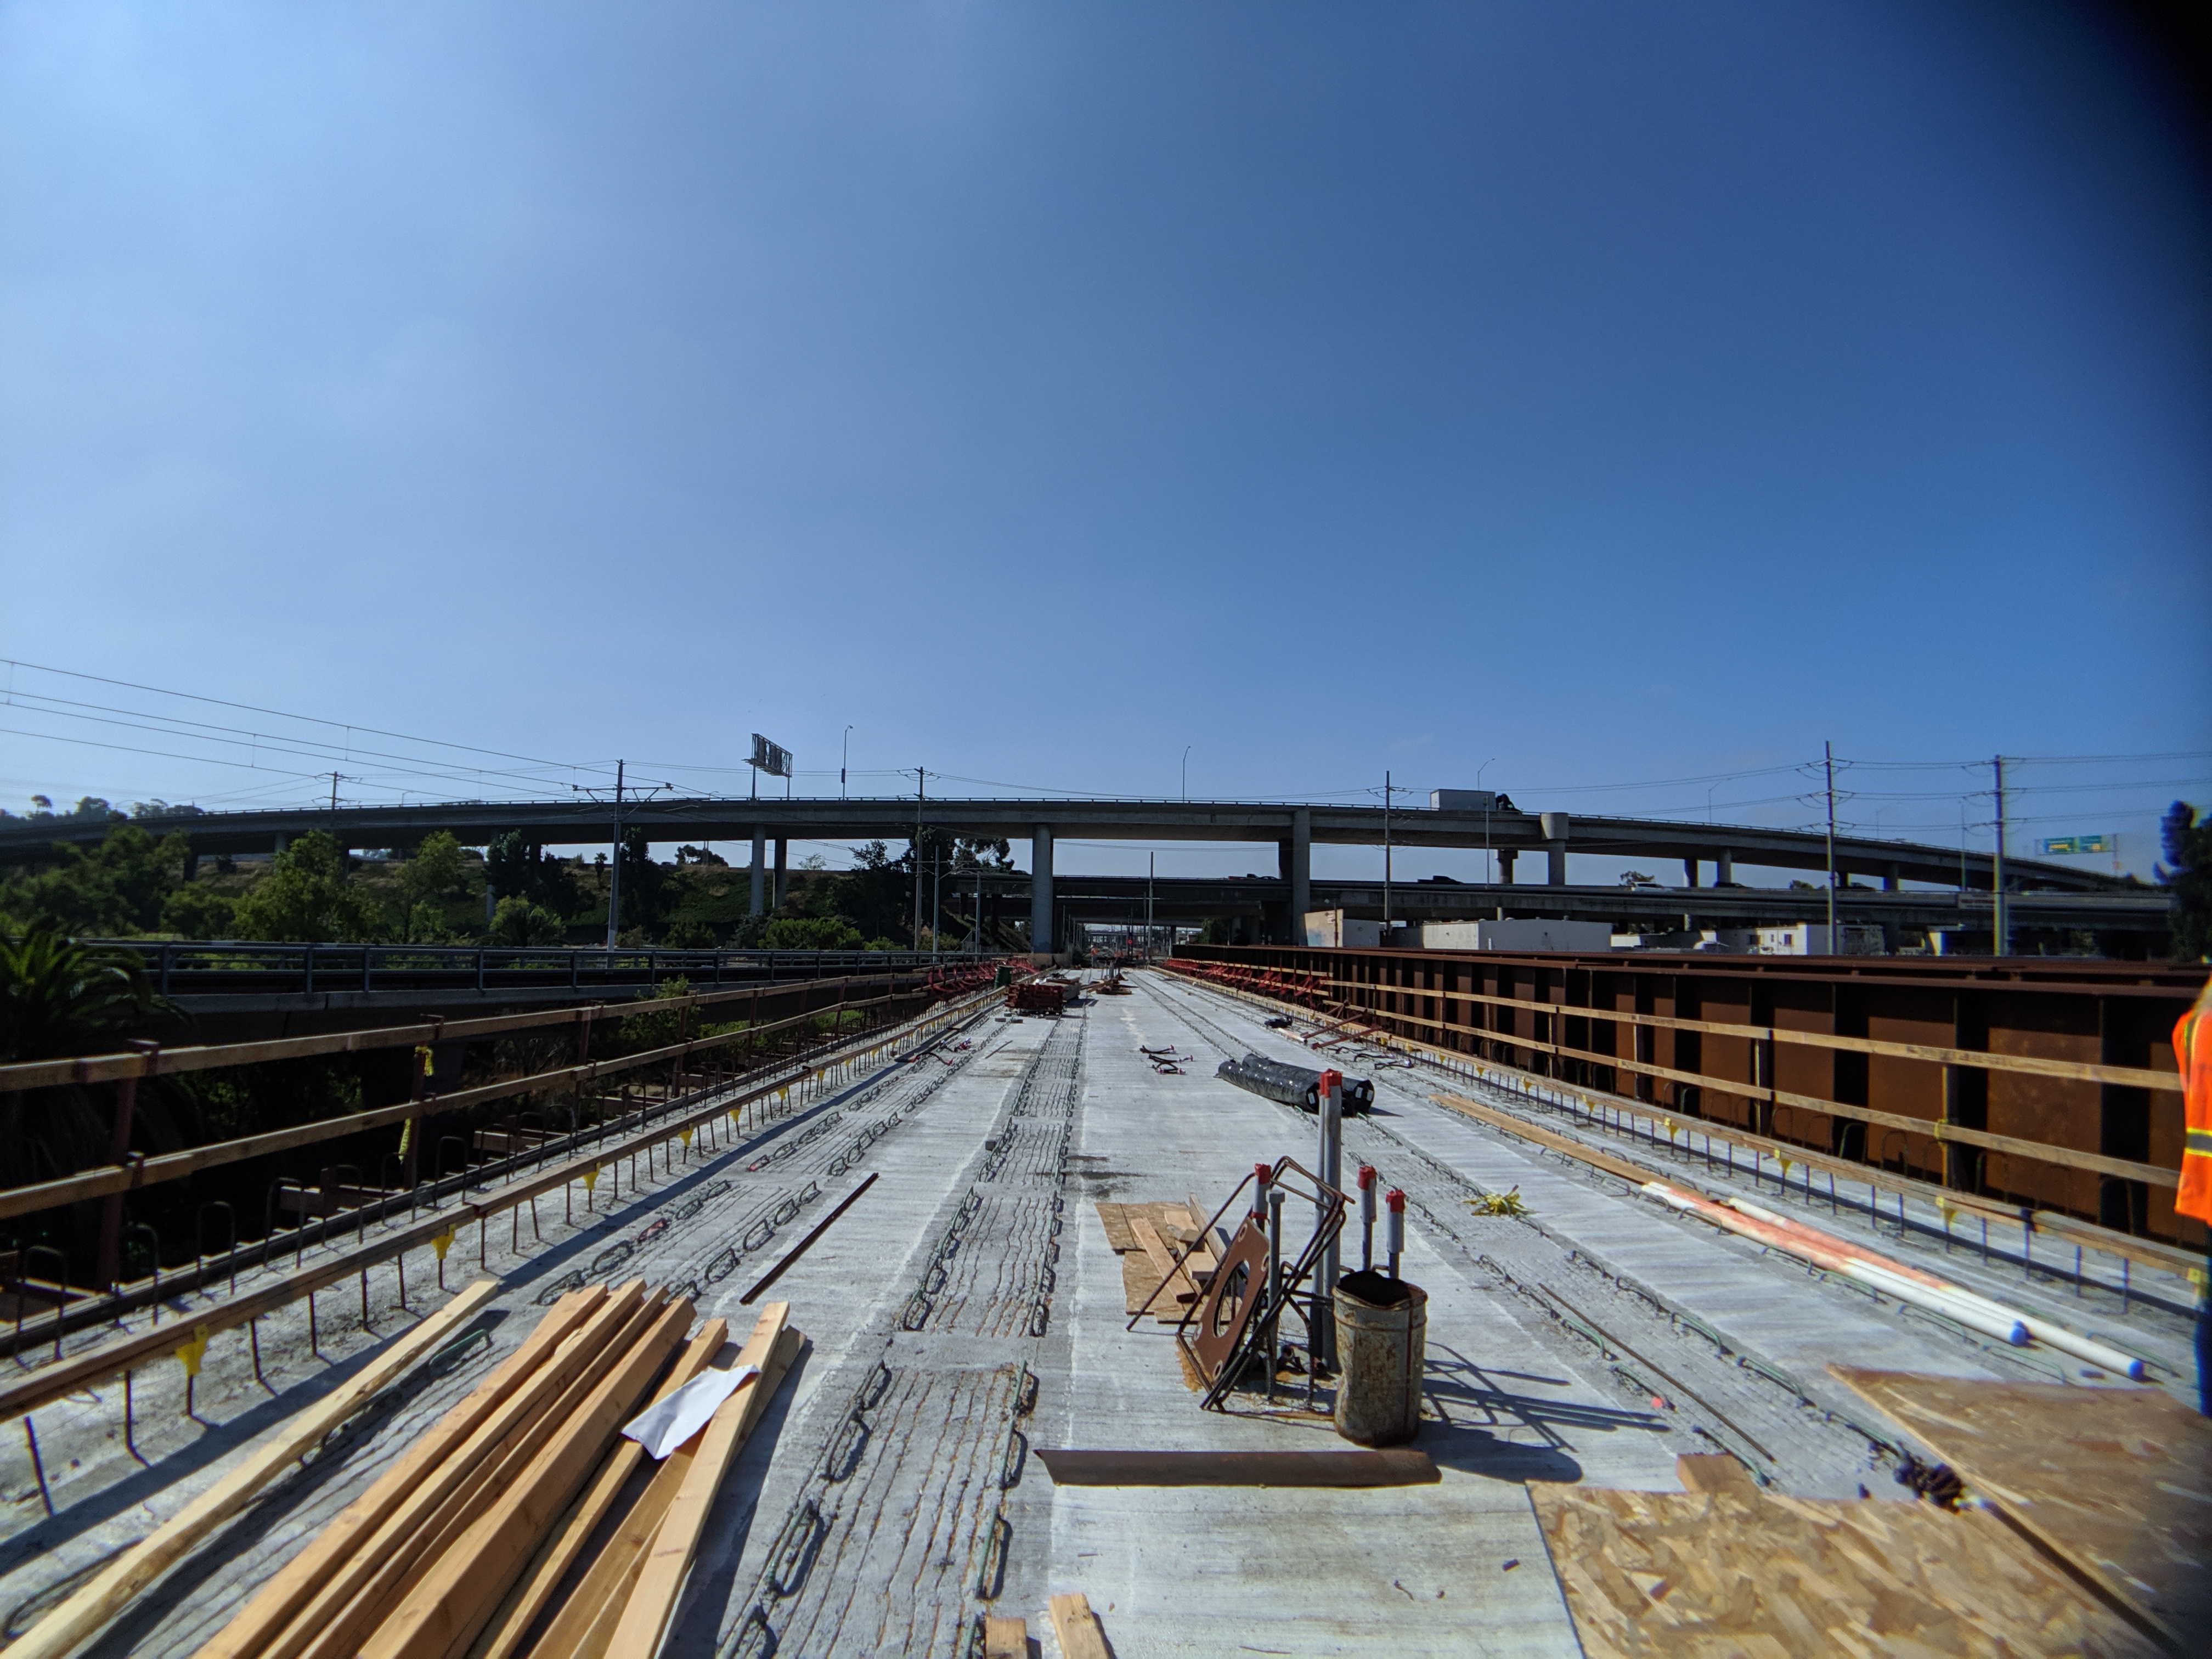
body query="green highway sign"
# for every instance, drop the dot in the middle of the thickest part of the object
(2064, 844)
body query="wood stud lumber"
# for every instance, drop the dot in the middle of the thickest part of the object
(653, 1603)
(503, 1637)
(300, 1577)
(343, 1598)
(586, 1625)
(268, 1457)
(1080, 1634)
(1004, 1637)
(443, 1611)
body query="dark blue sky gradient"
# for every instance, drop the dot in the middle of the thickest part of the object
(1625, 391)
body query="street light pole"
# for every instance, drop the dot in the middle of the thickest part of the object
(1489, 872)
(1386, 857)
(1186, 770)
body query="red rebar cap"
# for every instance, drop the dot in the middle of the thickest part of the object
(1331, 1080)
(1366, 1177)
(1263, 1173)
(1395, 1198)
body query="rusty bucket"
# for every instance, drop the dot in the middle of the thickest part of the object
(1381, 1326)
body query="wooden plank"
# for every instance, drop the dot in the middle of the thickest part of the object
(653, 1603)
(503, 1637)
(175, 1166)
(268, 1457)
(443, 1612)
(282, 1594)
(1637, 1173)
(1343, 1467)
(2115, 1482)
(1081, 1635)
(1163, 1260)
(345, 1600)
(1004, 1637)
(1727, 1573)
(585, 1627)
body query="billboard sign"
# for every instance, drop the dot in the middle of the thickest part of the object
(772, 758)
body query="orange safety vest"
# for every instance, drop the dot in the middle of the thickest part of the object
(2192, 1048)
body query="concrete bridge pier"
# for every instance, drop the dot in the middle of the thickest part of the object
(760, 871)
(782, 873)
(1301, 872)
(1723, 866)
(1555, 826)
(1041, 939)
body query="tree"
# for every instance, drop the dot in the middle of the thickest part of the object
(810, 933)
(435, 871)
(118, 887)
(2185, 837)
(306, 895)
(518, 921)
(60, 997)
(197, 911)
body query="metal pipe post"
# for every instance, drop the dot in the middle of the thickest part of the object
(1366, 1218)
(1332, 1172)
(1393, 1231)
(1274, 1285)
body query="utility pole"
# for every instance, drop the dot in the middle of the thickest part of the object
(614, 869)
(920, 792)
(1999, 915)
(843, 756)
(334, 794)
(1828, 761)
(1151, 869)
(1386, 858)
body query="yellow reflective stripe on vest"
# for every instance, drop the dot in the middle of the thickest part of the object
(2196, 1143)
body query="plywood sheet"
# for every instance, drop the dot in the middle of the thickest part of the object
(2117, 1482)
(1716, 1575)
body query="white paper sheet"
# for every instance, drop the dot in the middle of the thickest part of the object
(662, 1427)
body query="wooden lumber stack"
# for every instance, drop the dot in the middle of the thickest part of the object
(1147, 1237)
(465, 1540)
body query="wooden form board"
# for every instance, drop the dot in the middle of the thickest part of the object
(451, 1603)
(2116, 1482)
(652, 1604)
(1004, 1637)
(267, 1458)
(1713, 1575)
(1121, 1239)
(1081, 1635)
(504, 1636)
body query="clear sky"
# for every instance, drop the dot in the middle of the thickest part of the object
(1604, 394)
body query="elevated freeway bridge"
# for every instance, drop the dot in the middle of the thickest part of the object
(1710, 856)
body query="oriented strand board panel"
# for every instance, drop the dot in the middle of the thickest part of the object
(2118, 1481)
(1719, 1575)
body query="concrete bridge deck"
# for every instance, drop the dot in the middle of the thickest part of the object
(968, 1309)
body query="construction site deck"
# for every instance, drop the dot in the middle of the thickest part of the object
(1648, 1433)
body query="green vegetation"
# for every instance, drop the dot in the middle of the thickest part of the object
(132, 885)
(59, 997)
(2187, 840)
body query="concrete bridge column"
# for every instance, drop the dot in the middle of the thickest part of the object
(1301, 872)
(1040, 937)
(1555, 826)
(1506, 857)
(1690, 870)
(782, 852)
(759, 869)
(1723, 867)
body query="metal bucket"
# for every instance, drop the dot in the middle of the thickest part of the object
(1382, 1328)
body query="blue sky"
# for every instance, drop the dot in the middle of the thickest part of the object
(1611, 393)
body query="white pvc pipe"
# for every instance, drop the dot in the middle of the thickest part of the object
(1961, 1306)
(2096, 1353)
